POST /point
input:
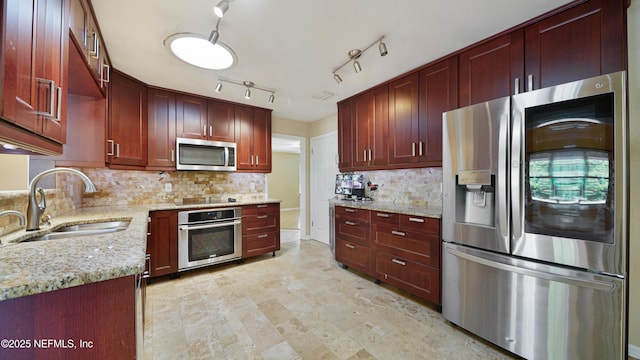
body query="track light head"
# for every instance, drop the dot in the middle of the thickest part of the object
(356, 66)
(383, 49)
(218, 87)
(213, 37)
(221, 8)
(337, 78)
(272, 98)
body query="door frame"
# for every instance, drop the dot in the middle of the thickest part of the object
(332, 134)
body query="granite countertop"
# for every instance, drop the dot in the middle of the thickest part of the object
(432, 211)
(28, 268)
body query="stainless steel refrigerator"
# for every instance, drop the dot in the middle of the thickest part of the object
(535, 220)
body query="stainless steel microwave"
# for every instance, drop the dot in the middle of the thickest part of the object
(206, 155)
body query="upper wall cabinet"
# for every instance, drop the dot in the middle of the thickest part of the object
(191, 117)
(253, 138)
(161, 130)
(127, 124)
(345, 135)
(84, 31)
(370, 121)
(404, 119)
(585, 41)
(34, 74)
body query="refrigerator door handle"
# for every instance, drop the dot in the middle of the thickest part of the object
(502, 193)
(593, 284)
(516, 175)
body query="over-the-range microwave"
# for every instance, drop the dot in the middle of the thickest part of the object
(207, 155)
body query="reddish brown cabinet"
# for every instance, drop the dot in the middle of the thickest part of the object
(353, 240)
(253, 138)
(221, 121)
(161, 130)
(404, 119)
(34, 72)
(162, 242)
(370, 121)
(345, 135)
(260, 229)
(191, 117)
(584, 41)
(127, 126)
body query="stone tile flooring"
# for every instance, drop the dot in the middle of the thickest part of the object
(297, 305)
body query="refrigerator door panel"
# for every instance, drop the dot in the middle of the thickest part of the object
(534, 310)
(475, 181)
(569, 175)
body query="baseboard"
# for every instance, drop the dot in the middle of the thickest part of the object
(634, 351)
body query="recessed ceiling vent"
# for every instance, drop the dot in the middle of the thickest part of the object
(324, 95)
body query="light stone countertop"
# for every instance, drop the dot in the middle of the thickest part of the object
(432, 211)
(28, 268)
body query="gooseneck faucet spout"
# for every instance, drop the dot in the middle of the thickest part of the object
(36, 209)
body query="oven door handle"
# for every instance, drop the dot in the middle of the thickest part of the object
(209, 226)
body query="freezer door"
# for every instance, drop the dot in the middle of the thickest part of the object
(535, 311)
(475, 179)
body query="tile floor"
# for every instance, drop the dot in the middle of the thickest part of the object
(297, 305)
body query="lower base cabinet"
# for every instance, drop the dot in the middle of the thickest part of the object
(162, 243)
(420, 280)
(354, 255)
(92, 321)
(260, 229)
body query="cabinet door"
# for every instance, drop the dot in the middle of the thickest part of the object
(404, 119)
(353, 254)
(162, 129)
(244, 137)
(582, 42)
(379, 129)
(127, 122)
(162, 242)
(262, 139)
(362, 115)
(191, 117)
(492, 69)
(345, 136)
(221, 121)
(438, 94)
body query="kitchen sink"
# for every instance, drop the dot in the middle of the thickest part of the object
(97, 228)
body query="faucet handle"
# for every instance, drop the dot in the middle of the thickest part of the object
(43, 201)
(46, 220)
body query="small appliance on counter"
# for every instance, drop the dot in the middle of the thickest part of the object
(351, 187)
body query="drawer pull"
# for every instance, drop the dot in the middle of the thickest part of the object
(383, 215)
(262, 206)
(399, 262)
(418, 220)
(350, 210)
(263, 216)
(351, 223)
(399, 233)
(262, 236)
(350, 246)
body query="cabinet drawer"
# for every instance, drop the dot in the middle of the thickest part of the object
(354, 255)
(354, 231)
(385, 218)
(421, 224)
(257, 244)
(260, 223)
(421, 280)
(418, 247)
(260, 209)
(353, 213)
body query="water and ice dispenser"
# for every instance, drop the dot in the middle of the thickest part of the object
(475, 197)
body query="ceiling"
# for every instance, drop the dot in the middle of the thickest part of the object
(293, 46)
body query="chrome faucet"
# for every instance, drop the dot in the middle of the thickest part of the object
(16, 213)
(36, 209)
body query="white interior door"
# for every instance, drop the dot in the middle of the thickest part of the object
(324, 168)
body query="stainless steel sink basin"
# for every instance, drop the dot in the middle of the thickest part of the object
(98, 228)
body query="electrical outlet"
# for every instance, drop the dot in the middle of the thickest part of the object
(168, 187)
(253, 186)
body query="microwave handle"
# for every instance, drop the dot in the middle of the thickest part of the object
(226, 156)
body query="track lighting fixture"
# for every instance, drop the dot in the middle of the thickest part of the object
(221, 8)
(248, 85)
(355, 54)
(215, 34)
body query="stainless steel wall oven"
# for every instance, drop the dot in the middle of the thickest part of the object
(209, 236)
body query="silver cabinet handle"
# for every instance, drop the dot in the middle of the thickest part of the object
(337, 159)
(399, 262)
(147, 272)
(350, 223)
(349, 210)
(106, 69)
(420, 148)
(370, 155)
(418, 220)
(262, 206)
(364, 154)
(52, 87)
(204, 131)
(384, 215)
(262, 216)
(59, 103)
(93, 52)
(530, 82)
(262, 236)
(251, 160)
(110, 153)
(399, 233)
(413, 149)
(257, 160)
(173, 156)
(118, 150)
(210, 130)
(516, 86)
(350, 246)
